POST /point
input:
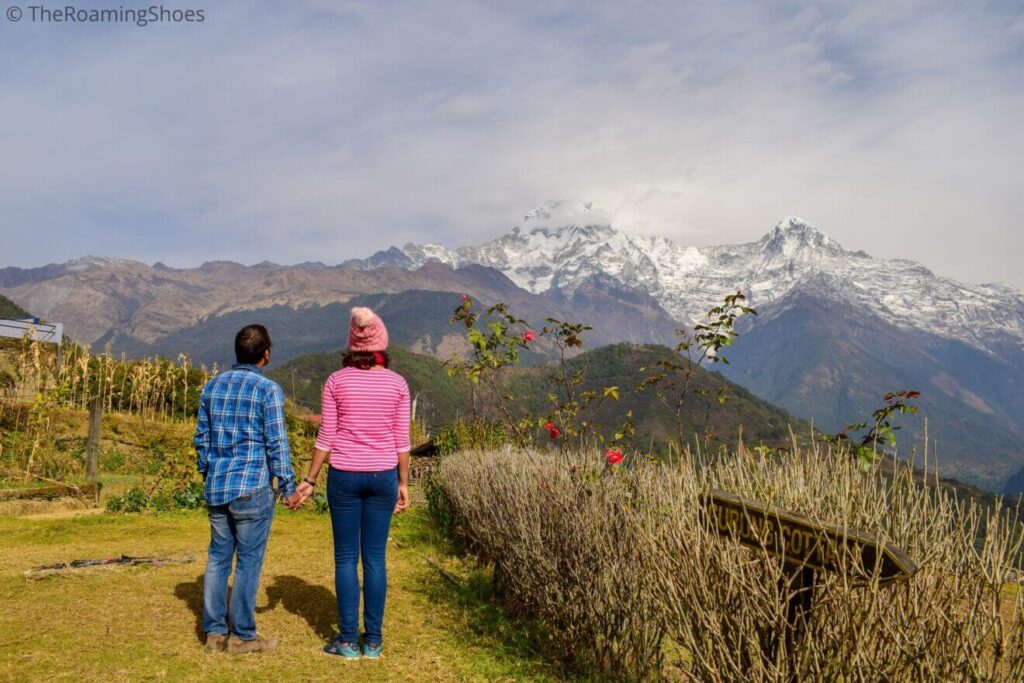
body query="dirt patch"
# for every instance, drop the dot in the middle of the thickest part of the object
(60, 507)
(65, 514)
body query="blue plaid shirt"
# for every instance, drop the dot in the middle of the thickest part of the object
(241, 440)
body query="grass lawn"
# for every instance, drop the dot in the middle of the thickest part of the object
(144, 623)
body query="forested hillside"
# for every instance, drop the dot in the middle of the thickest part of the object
(443, 399)
(9, 309)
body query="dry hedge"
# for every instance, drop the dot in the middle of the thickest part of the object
(629, 580)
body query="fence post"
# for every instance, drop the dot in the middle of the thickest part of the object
(92, 449)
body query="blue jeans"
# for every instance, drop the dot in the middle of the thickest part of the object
(361, 506)
(243, 527)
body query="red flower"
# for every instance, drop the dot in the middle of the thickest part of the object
(614, 457)
(465, 298)
(529, 335)
(548, 426)
(553, 432)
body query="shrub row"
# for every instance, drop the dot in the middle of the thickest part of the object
(630, 581)
(135, 499)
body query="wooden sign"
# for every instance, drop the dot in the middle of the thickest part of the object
(425, 449)
(802, 542)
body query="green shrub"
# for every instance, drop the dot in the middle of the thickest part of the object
(298, 426)
(320, 505)
(177, 487)
(470, 434)
(113, 460)
(132, 500)
(191, 497)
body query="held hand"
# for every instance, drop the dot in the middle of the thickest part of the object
(295, 501)
(403, 499)
(305, 490)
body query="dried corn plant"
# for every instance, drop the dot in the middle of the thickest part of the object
(45, 377)
(631, 581)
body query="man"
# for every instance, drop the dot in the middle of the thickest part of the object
(241, 443)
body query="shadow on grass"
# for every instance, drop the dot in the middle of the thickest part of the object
(191, 593)
(523, 641)
(480, 612)
(313, 603)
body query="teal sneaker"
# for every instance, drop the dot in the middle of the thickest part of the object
(372, 650)
(337, 648)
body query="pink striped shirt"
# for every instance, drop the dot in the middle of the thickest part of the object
(364, 419)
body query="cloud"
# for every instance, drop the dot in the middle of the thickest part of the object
(323, 130)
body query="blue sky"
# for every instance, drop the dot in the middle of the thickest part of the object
(325, 130)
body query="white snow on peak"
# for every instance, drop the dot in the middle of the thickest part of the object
(420, 254)
(792, 235)
(559, 245)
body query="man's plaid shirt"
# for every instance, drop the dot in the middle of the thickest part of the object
(241, 440)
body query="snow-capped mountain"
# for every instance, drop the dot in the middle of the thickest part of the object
(559, 245)
(836, 329)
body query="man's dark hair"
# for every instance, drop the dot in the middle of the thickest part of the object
(251, 342)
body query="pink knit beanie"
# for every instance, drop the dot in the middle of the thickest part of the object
(366, 331)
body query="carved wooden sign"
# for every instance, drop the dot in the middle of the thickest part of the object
(802, 542)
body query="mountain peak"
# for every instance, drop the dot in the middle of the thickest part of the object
(792, 235)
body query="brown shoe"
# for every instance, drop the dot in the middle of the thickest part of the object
(216, 642)
(237, 646)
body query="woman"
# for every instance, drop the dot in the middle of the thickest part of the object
(364, 428)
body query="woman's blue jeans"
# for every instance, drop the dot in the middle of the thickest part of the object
(361, 506)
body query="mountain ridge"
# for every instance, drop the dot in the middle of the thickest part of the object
(836, 328)
(687, 281)
(547, 255)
